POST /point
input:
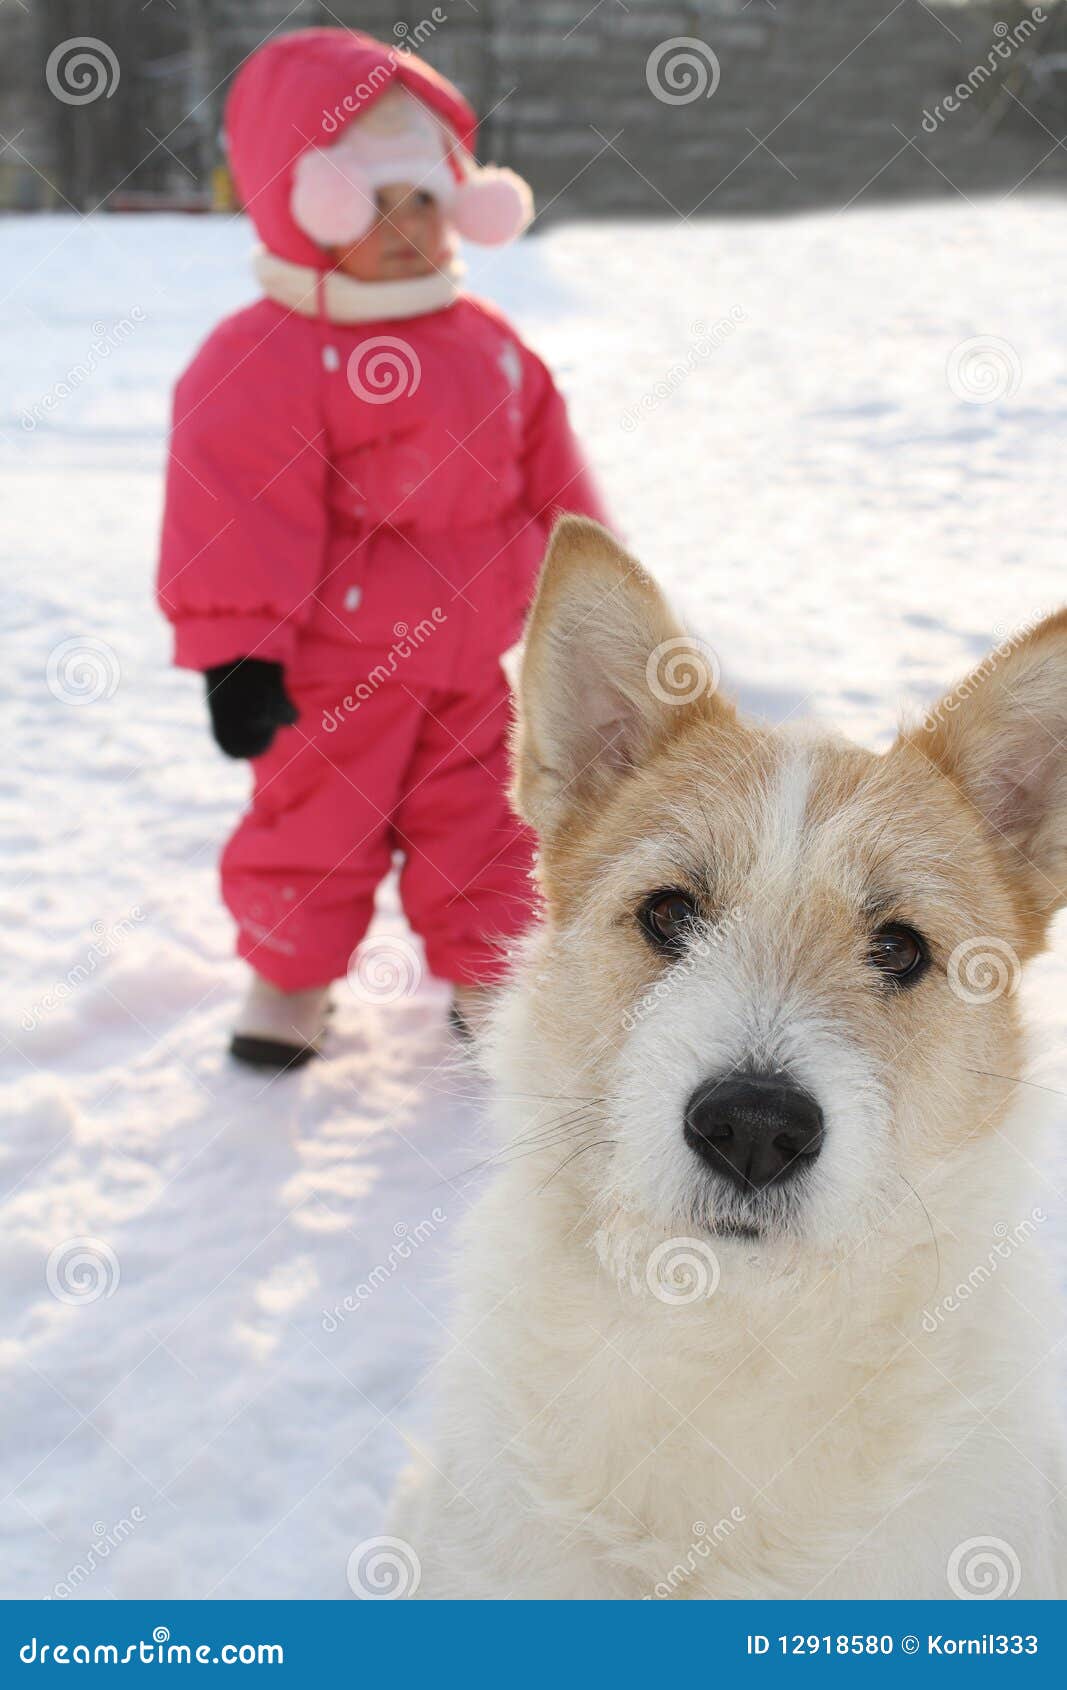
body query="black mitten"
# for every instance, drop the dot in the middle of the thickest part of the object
(248, 704)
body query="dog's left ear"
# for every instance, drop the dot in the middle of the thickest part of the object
(607, 676)
(1001, 738)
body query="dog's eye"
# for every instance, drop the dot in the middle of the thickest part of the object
(667, 918)
(899, 953)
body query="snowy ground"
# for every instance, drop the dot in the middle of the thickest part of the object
(830, 506)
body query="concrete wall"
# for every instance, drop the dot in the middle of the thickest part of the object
(815, 101)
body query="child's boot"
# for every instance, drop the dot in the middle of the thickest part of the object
(277, 1029)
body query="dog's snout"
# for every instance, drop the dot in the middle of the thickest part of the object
(753, 1128)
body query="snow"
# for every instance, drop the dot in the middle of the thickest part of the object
(815, 483)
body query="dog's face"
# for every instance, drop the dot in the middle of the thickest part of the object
(784, 964)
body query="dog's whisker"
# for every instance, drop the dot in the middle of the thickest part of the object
(581, 1150)
(540, 1129)
(933, 1233)
(519, 1150)
(523, 1154)
(1013, 1080)
(547, 1097)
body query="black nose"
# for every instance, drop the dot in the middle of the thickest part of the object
(753, 1128)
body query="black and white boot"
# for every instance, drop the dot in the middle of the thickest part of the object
(277, 1029)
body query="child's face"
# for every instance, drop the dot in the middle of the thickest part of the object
(407, 238)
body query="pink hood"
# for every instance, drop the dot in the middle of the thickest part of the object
(301, 91)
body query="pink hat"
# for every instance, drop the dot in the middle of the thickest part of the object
(401, 140)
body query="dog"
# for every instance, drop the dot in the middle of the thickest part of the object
(753, 1304)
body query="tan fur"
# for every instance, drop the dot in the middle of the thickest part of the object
(908, 823)
(585, 1426)
(593, 598)
(998, 739)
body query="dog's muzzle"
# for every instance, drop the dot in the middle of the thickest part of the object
(754, 1129)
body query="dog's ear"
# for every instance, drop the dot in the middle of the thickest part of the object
(607, 676)
(1001, 738)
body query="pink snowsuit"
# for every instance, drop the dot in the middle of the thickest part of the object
(383, 550)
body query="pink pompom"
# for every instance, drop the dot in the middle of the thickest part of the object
(491, 207)
(331, 205)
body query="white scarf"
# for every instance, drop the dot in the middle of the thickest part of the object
(347, 301)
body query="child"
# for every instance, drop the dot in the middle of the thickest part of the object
(364, 467)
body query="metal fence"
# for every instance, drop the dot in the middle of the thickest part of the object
(613, 106)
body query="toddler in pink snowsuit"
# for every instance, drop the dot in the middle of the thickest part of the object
(364, 467)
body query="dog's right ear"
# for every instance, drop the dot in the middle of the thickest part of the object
(1000, 738)
(607, 677)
